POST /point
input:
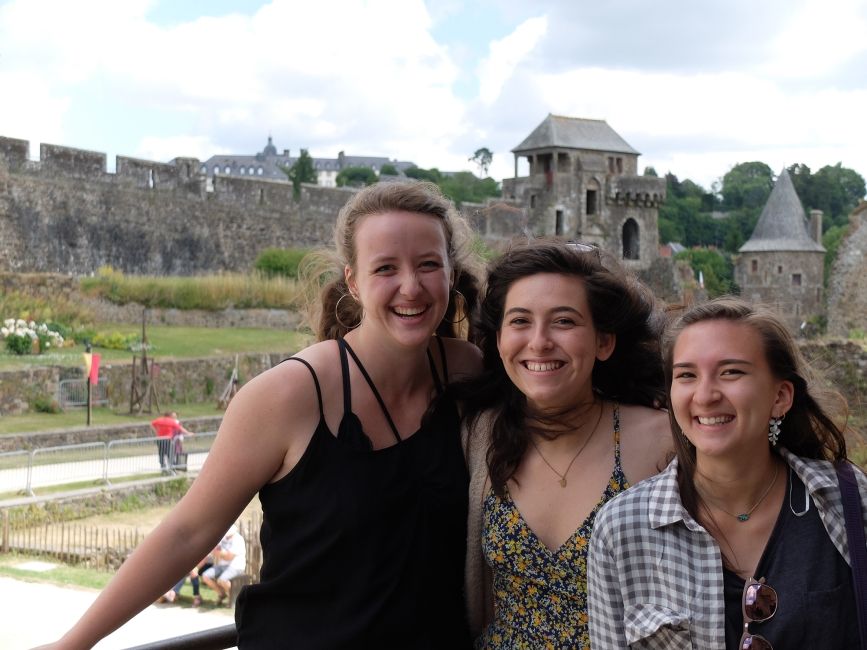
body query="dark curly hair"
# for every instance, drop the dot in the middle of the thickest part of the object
(619, 305)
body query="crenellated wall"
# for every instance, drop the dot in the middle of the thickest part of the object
(65, 213)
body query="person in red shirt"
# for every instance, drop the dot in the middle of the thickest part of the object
(166, 427)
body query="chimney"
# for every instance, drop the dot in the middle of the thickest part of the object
(285, 153)
(816, 225)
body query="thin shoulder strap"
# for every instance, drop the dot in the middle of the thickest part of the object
(615, 415)
(315, 382)
(438, 383)
(369, 383)
(344, 367)
(855, 537)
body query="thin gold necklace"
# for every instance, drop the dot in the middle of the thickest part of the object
(562, 476)
(745, 516)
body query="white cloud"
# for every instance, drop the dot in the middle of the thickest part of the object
(819, 37)
(506, 54)
(368, 77)
(164, 149)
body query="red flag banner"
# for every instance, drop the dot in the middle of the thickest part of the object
(94, 369)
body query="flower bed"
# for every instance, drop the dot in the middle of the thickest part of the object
(29, 337)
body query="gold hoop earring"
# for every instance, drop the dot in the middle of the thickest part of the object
(463, 310)
(337, 313)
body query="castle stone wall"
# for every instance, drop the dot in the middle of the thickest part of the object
(847, 294)
(774, 283)
(66, 214)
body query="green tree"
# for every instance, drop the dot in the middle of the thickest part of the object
(747, 185)
(834, 189)
(388, 170)
(482, 157)
(302, 171)
(466, 187)
(715, 268)
(650, 171)
(356, 177)
(433, 175)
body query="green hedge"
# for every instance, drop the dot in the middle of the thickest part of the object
(280, 261)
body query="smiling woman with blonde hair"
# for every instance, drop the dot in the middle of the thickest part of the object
(358, 466)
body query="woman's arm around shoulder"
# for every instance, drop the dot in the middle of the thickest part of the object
(645, 441)
(267, 425)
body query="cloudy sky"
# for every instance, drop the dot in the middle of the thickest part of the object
(695, 86)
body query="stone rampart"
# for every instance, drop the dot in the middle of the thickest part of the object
(65, 213)
(847, 295)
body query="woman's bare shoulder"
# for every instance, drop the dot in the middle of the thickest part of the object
(464, 358)
(646, 440)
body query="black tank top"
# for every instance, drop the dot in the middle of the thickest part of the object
(364, 548)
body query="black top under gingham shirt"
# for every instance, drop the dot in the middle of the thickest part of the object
(655, 574)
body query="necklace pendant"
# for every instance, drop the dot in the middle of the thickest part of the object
(743, 517)
(563, 482)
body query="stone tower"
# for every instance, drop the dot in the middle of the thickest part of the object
(584, 184)
(782, 264)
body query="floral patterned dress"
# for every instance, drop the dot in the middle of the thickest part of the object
(540, 596)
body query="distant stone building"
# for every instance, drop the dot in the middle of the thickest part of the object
(847, 295)
(782, 263)
(268, 164)
(584, 184)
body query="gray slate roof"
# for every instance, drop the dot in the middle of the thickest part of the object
(271, 162)
(782, 225)
(574, 133)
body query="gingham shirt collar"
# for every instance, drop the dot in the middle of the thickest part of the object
(665, 505)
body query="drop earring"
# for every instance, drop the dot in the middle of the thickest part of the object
(774, 429)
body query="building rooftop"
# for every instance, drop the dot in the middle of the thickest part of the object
(574, 133)
(782, 225)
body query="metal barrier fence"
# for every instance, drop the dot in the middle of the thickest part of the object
(26, 471)
(73, 392)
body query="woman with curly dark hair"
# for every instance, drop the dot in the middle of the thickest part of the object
(564, 417)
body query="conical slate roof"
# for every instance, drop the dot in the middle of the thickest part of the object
(782, 225)
(574, 133)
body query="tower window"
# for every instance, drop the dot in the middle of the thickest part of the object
(591, 201)
(754, 266)
(796, 279)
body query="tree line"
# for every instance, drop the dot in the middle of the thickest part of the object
(715, 223)
(460, 187)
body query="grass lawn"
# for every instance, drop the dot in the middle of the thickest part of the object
(101, 416)
(170, 343)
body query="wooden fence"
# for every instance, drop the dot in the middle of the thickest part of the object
(101, 547)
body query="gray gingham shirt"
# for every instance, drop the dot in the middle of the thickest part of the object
(655, 575)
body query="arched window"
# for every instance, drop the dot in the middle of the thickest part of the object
(259, 171)
(228, 169)
(631, 242)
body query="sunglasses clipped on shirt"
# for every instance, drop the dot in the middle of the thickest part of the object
(758, 604)
(582, 247)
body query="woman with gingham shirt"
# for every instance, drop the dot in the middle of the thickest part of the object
(740, 542)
